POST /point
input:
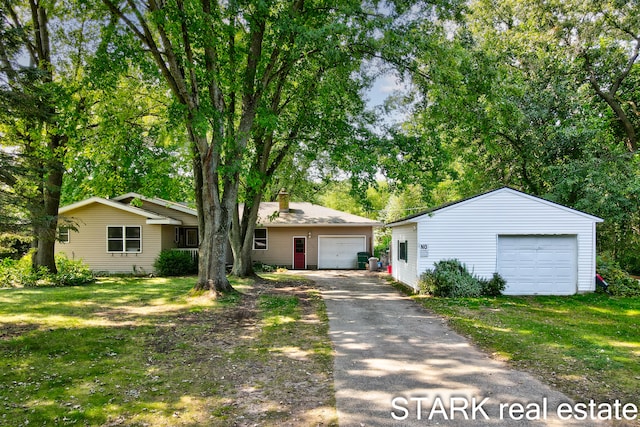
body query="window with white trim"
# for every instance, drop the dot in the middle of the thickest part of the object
(124, 238)
(403, 250)
(260, 239)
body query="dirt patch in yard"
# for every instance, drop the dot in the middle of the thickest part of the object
(10, 330)
(243, 370)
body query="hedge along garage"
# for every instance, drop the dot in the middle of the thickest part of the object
(539, 247)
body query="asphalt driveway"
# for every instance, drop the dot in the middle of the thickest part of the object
(396, 364)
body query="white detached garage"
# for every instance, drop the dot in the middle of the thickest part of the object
(538, 247)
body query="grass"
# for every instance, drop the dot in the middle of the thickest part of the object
(587, 346)
(146, 352)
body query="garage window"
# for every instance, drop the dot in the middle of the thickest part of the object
(403, 250)
(260, 239)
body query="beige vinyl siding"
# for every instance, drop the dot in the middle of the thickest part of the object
(89, 243)
(280, 243)
(168, 236)
(469, 232)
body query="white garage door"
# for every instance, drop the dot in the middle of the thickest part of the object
(340, 252)
(538, 264)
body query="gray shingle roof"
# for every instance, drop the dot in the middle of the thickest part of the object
(303, 213)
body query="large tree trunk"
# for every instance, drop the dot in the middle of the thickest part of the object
(241, 237)
(214, 219)
(212, 260)
(627, 125)
(46, 226)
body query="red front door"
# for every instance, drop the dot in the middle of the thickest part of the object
(299, 253)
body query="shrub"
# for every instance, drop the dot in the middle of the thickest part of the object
(427, 282)
(7, 273)
(620, 283)
(259, 267)
(450, 278)
(14, 246)
(494, 286)
(72, 272)
(175, 263)
(21, 273)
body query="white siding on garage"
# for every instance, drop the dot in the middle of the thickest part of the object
(404, 271)
(469, 231)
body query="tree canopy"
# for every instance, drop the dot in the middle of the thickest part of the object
(224, 103)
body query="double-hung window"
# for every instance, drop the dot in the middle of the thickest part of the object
(123, 238)
(260, 239)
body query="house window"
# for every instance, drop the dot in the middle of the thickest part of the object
(260, 239)
(403, 250)
(63, 235)
(176, 237)
(124, 238)
(191, 237)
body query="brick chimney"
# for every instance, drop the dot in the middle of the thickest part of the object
(283, 201)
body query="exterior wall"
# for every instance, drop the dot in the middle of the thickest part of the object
(280, 243)
(469, 232)
(168, 240)
(89, 243)
(401, 270)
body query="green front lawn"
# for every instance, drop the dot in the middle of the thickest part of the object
(146, 352)
(587, 346)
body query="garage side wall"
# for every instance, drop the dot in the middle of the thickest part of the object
(469, 232)
(401, 270)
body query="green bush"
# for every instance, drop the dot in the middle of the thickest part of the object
(259, 267)
(72, 272)
(14, 246)
(620, 283)
(7, 273)
(450, 278)
(175, 263)
(21, 273)
(494, 286)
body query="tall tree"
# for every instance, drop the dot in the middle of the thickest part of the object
(513, 99)
(603, 38)
(42, 55)
(227, 64)
(131, 142)
(317, 112)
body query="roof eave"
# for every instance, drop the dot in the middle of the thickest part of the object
(160, 202)
(323, 224)
(110, 203)
(402, 222)
(164, 221)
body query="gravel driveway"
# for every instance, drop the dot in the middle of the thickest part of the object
(396, 364)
